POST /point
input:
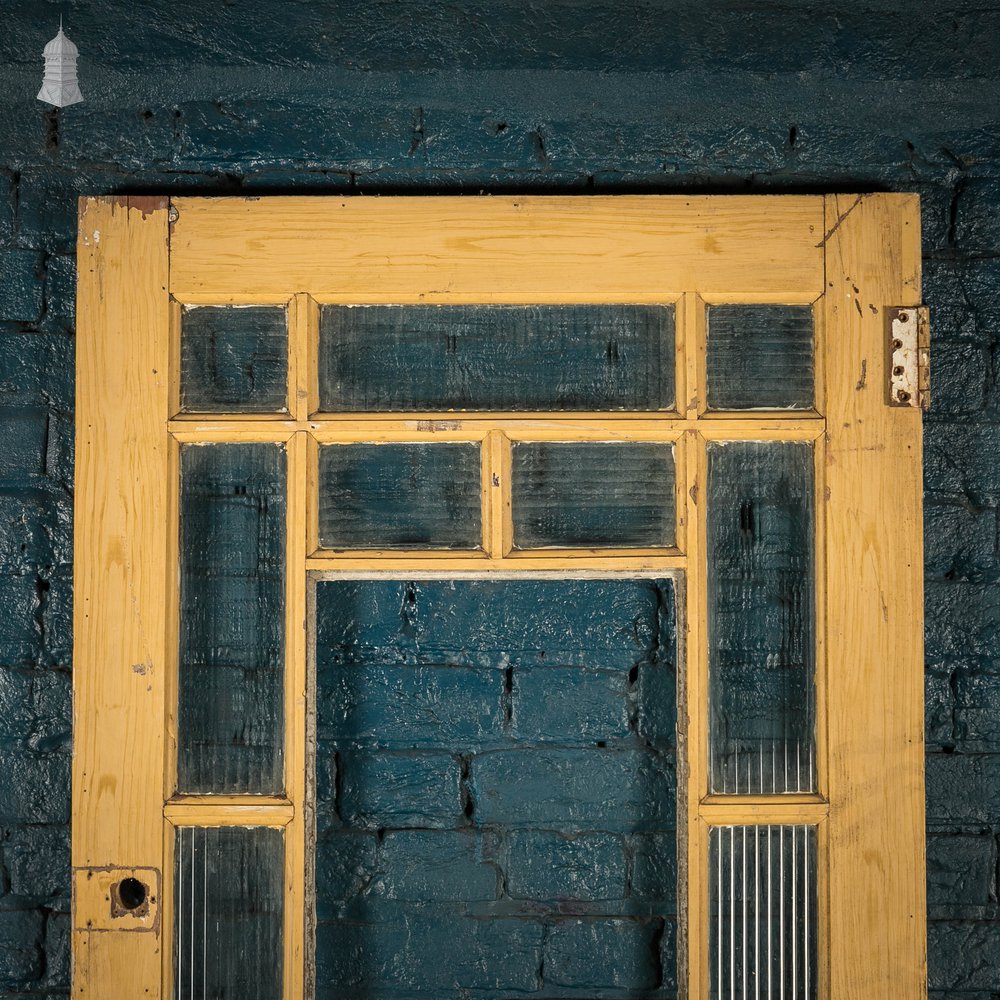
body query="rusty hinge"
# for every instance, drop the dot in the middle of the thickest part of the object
(909, 356)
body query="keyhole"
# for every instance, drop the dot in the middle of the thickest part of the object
(131, 893)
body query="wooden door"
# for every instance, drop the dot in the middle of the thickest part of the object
(752, 365)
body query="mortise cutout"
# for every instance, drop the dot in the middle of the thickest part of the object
(129, 897)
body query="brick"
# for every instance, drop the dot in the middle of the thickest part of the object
(963, 790)
(966, 955)
(35, 707)
(34, 787)
(939, 708)
(962, 621)
(57, 952)
(20, 637)
(977, 228)
(24, 430)
(575, 789)
(960, 541)
(977, 709)
(401, 707)
(60, 295)
(35, 528)
(7, 197)
(38, 862)
(603, 954)
(20, 948)
(605, 623)
(654, 867)
(425, 949)
(959, 377)
(36, 371)
(57, 618)
(543, 866)
(961, 870)
(656, 705)
(400, 790)
(570, 704)
(436, 865)
(345, 865)
(20, 285)
(963, 459)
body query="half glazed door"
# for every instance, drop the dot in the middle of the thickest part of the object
(352, 459)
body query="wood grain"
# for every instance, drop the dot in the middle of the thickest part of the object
(532, 249)
(874, 610)
(120, 571)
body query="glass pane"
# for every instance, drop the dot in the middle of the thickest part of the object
(760, 357)
(234, 358)
(762, 924)
(391, 496)
(760, 616)
(232, 546)
(479, 357)
(228, 903)
(496, 788)
(593, 495)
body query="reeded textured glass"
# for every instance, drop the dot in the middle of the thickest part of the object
(761, 616)
(760, 357)
(486, 357)
(228, 909)
(593, 495)
(763, 912)
(234, 358)
(496, 789)
(400, 496)
(232, 554)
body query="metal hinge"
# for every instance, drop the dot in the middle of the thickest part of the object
(909, 356)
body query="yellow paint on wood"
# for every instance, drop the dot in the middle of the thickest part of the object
(121, 570)
(874, 607)
(537, 248)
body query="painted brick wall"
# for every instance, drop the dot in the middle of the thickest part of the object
(509, 95)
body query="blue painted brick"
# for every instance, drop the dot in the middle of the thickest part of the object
(654, 868)
(20, 285)
(37, 861)
(966, 956)
(960, 541)
(20, 635)
(21, 946)
(961, 870)
(427, 950)
(57, 952)
(400, 790)
(603, 954)
(547, 866)
(963, 459)
(57, 618)
(977, 228)
(24, 431)
(570, 704)
(959, 382)
(939, 706)
(962, 621)
(437, 865)
(60, 295)
(977, 708)
(575, 789)
(963, 790)
(345, 865)
(34, 787)
(35, 706)
(409, 706)
(656, 705)
(35, 528)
